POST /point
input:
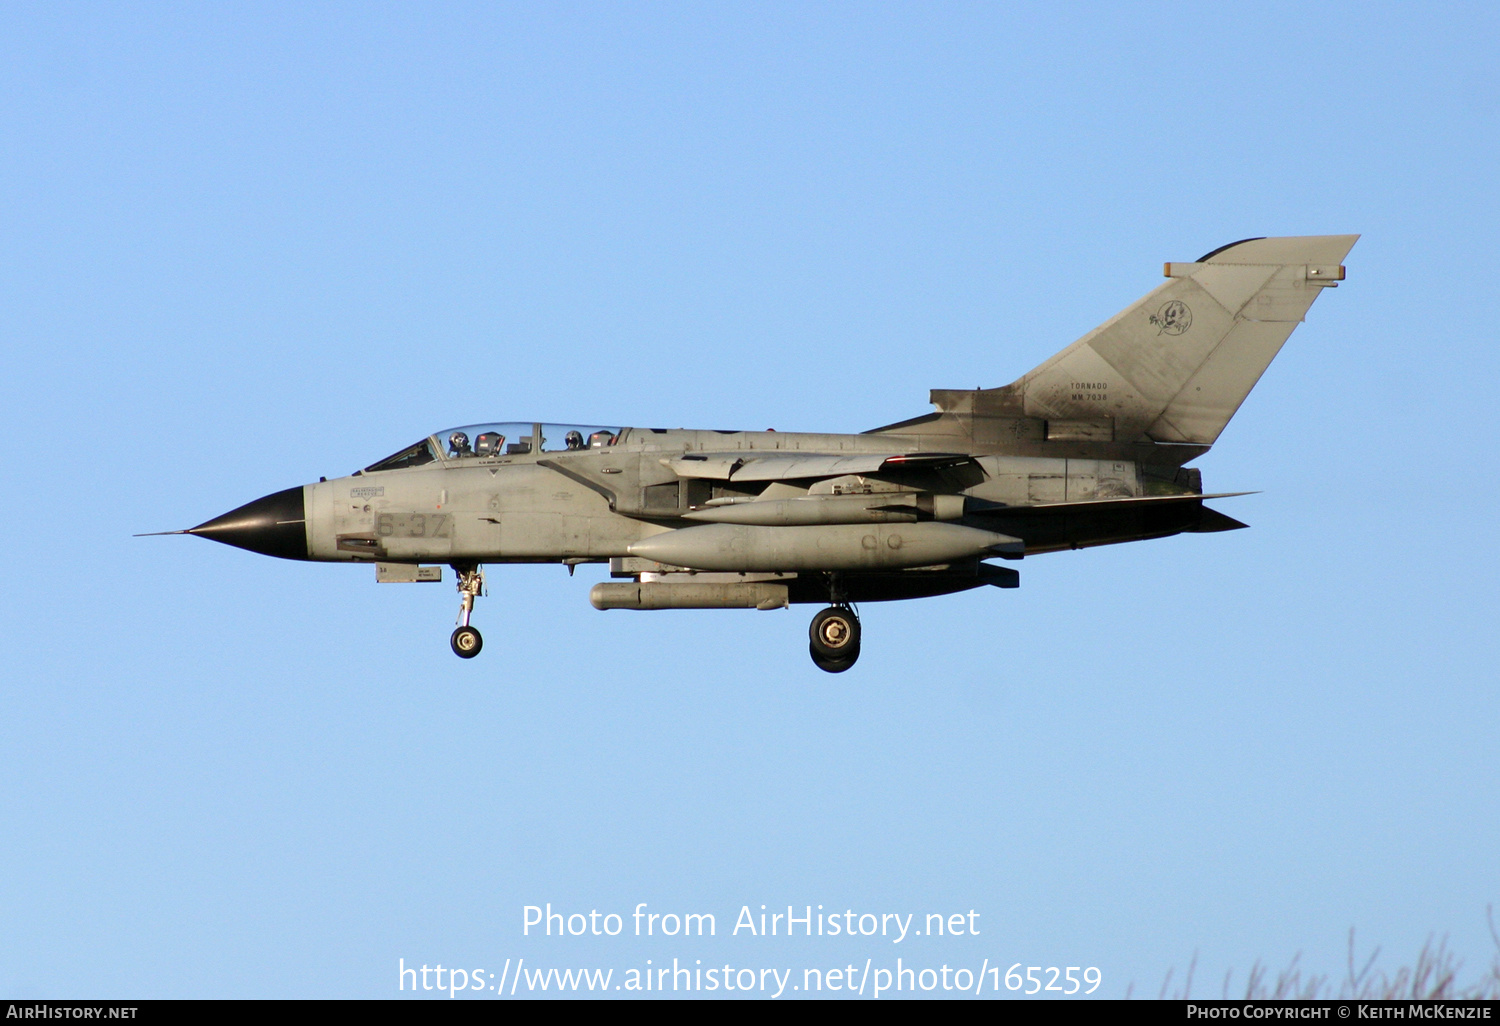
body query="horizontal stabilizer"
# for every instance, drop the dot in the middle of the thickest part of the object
(1212, 520)
(1100, 505)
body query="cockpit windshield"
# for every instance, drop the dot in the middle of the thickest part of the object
(486, 441)
(411, 456)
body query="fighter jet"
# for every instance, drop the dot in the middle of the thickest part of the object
(1090, 448)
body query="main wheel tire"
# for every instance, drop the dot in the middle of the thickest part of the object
(466, 642)
(831, 665)
(834, 633)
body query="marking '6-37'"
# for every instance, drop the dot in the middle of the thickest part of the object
(414, 525)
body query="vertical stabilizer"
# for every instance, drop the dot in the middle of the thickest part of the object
(1176, 366)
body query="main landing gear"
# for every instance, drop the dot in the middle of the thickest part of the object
(834, 638)
(466, 641)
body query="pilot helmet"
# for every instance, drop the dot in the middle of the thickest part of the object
(574, 439)
(458, 443)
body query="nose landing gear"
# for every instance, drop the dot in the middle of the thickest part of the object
(834, 639)
(466, 640)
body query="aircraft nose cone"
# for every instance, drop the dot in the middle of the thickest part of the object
(275, 525)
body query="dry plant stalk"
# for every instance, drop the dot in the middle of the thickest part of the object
(1433, 977)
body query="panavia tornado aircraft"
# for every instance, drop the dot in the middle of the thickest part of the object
(1090, 448)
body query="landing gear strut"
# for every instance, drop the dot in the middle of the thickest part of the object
(466, 641)
(834, 639)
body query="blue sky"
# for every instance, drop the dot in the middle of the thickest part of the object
(244, 245)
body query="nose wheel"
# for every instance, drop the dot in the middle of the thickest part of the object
(466, 640)
(834, 639)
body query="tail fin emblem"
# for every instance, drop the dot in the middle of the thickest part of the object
(1173, 318)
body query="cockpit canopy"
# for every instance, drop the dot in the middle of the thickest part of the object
(487, 441)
